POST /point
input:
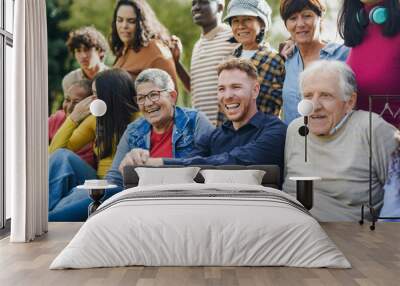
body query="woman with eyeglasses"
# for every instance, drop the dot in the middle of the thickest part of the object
(66, 170)
(138, 40)
(250, 20)
(164, 131)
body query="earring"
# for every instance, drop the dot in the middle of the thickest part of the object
(260, 36)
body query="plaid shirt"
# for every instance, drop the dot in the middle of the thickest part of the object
(271, 74)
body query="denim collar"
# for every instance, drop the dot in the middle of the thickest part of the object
(180, 122)
(329, 49)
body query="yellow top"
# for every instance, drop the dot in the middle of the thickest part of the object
(74, 136)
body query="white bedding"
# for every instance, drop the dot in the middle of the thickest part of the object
(185, 230)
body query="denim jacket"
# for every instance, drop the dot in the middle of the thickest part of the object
(189, 126)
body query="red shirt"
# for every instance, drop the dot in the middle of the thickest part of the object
(55, 121)
(161, 144)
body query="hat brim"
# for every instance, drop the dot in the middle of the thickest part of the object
(89, 187)
(239, 12)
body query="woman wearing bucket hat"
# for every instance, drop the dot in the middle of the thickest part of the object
(250, 20)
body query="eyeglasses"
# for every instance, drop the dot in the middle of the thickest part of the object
(153, 95)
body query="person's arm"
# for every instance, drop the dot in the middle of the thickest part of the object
(383, 145)
(183, 75)
(266, 149)
(276, 83)
(203, 126)
(176, 50)
(113, 174)
(73, 136)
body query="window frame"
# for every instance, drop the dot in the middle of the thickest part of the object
(6, 39)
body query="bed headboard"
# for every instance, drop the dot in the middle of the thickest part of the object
(272, 177)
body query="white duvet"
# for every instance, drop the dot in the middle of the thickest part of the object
(183, 230)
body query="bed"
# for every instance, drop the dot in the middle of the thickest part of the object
(201, 224)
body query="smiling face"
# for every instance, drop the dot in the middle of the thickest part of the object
(304, 26)
(323, 89)
(87, 57)
(206, 13)
(159, 113)
(237, 93)
(245, 30)
(126, 24)
(74, 95)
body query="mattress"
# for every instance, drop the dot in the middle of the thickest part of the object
(201, 225)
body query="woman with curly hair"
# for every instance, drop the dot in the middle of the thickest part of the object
(139, 40)
(372, 29)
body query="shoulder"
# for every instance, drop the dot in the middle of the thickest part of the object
(295, 125)
(187, 110)
(137, 124)
(59, 114)
(336, 51)
(71, 77)
(158, 47)
(186, 114)
(360, 121)
(266, 55)
(271, 122)
(266, 50)
(225, 31)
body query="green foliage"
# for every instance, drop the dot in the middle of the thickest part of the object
(57, 10)
(66, 15)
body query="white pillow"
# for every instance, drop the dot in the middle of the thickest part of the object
(166, 176)
(248, 177)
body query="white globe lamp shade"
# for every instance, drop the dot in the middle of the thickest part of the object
(98, 107)
(305, 107)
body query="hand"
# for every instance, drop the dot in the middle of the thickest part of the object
(135, 157)
(176, 48)
(81, 109)
(155, 162)
(286, 48)
(397, 135)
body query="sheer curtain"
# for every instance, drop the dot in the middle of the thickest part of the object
(26, 123)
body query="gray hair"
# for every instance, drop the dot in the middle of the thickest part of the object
(156, 76)
(347, 79)
(86, 84)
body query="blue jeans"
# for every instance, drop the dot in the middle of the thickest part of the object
(391, 201)
(66, 202)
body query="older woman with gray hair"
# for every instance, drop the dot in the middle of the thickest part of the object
(165, 130)
(338, 145)
(250, 21)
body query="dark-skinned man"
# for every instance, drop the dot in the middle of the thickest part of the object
(211, 49)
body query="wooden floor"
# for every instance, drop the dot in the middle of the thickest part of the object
(374, 255)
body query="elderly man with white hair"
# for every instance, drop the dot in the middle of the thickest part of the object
(338, 145)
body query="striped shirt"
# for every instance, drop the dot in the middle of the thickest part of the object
(209, 51)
